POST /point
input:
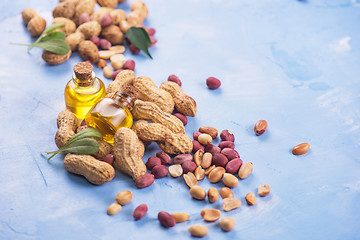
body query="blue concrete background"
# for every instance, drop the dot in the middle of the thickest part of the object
(293, 63)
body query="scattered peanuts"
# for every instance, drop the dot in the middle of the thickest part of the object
(221, 162)
(140, 211)
(175, 79)
(117, 61)
(166, 219)
(226, 192)
(198, 157)
(231, 204)
(230, 180)
(114, 209)
(197, 192)
(198, 231)
(260, 127)
(227, 224)
(210, 215)
(107, 71)
(176, 170)
(205, 139)
(199, 173)
(264, 190)
(301, 149)
(213, 83)
(123, 197)
(206, 160)
(213, 195)
(180, 217)
(216, 174)
(213, 132)
(245, 170)
(190, 179)
(209, 170)
(250, 198)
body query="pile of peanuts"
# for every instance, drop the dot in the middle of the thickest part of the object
(84, 25)
(219, 163)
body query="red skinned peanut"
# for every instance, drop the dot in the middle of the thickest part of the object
(196, 135)
(104, 44)
(197, 146)
(226, 144)
(144, 180)
(182, 118)
(96, 41)
(211, 148)
(213, 83)
(175, 79)
(181, 158)
(109, 158)
(233, 165)
(106, 20)
(152, 162)
(160, 171)
(164, 157)
(151, 31)
(166, 219)
(133, 49)
(219, 160)
(230, 153)
(189, 166)
(113, 76)
(226, 135)
(140, 211)
(129, 64)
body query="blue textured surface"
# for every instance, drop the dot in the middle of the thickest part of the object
(293, 63)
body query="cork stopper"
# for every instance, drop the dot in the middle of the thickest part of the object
(83, 71)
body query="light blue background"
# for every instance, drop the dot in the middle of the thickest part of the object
(293, 63)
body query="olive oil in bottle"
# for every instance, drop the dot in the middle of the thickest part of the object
(110, 114)
(83, 90)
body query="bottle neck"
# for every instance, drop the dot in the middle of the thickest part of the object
(84, 83)
(123, 100)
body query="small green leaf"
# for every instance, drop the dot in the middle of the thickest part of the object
(53, 27)
(83, 146)
(81, 143)
(139, 38)
(53, 35)
(56, 46)
(86, 133)
(47, 30)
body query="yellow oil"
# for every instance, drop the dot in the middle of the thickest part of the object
(80, 99)
(107, 117)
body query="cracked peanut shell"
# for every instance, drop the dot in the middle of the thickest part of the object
(128, 151)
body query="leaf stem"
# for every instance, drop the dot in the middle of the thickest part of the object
(20, 44)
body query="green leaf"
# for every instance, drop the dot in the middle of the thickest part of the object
(56, 46)
(83, 146)
(86, 133)
(81, 143)
(52, 42)
(139, 38)
(53, 27)
(47, 30)
(53, 35)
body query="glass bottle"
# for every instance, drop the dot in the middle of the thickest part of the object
(110, 114)
(83, 90)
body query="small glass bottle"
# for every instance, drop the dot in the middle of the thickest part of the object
(110, 114)
(83, 90)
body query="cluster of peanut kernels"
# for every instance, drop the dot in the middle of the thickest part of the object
(84, 26)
